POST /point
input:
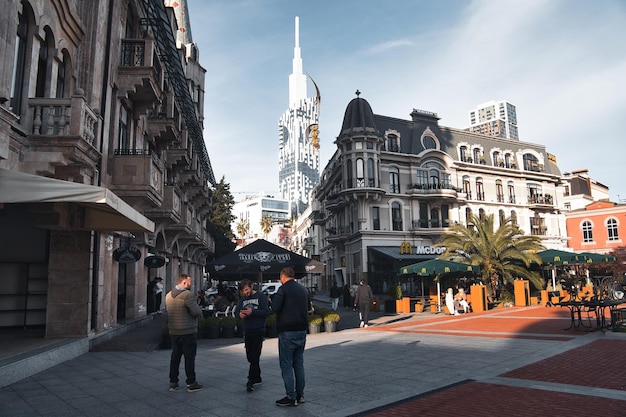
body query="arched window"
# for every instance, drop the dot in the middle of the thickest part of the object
(513, 218)
(468, 217)
(466, 187)
(611, 229)
(481, 214)
(396, 216)
(429, 143)
(531, 163)
(44, 63)
(63, 76)
(511, 188)
(587, 229)
(393, 143)
(371, 178)
(477, 153)
(501, 216)
(19, 66)
(360, 173)
(464, 154)
(394, 180)
(499, 191)
(480, 189)
(497, 159)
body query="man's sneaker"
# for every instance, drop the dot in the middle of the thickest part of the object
(194, 387)
(362, 324)
(300, 399)
(286, 402)
(249, 386)
(173, 386)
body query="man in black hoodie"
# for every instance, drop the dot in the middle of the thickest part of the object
(253, 308)
(291, 305)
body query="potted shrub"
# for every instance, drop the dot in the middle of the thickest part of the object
(228, 326)
(315, 323)
(212, 324)
(330, 321)
(202, 328)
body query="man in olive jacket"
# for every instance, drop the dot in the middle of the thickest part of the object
(182, 314)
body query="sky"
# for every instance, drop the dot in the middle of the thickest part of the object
(562, 63)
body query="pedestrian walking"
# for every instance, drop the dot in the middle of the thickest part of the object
(253, 309)
(291, 305)
(183, 312)
(362, 298)
(334, 296)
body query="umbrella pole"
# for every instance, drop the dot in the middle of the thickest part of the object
(438, 296)
(554, 278)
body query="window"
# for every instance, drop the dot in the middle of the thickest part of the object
(508, 160)
(468, 217)
(499, 191)
(587, 231)
(534, 193)
(350, 173)
(19, 68)
(41, 84)
(497, 159)
(422, 179)
(466, 187)
(360, 172)
(477, 153)
(423, 221)
(480, 189)
(393, 143)
(501, 216)
(371, 179)
(434, 178)
(394, 180)
(531, 163)
(513, 218)
(376, 218)
(396, 216)
(445, 215)
(429, 143)
(434, 218)
(123, 130)
(511, 189)
(481, 214)
(611, 228)
(464, 154)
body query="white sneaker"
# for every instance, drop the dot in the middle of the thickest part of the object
(456, 313)
(362, 324)
(365, 325)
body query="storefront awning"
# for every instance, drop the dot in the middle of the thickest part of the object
(103, 210)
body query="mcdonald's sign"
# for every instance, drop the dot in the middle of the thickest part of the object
(406, 248)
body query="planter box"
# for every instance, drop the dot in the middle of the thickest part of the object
(314, 328)
(330, 326)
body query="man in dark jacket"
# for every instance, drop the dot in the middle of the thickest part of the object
(182, 314)
(253, 308)
(362, 300)
(291, 305)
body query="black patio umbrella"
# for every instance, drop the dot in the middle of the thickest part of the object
(261, 259)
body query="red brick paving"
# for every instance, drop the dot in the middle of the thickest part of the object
(474, 399)
(599, 364)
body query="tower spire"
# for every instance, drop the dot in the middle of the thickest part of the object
(297, 79)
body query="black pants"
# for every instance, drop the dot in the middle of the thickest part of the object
(254, 342)
(364, 311)
(185, 344)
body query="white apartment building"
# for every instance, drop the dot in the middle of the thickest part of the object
(252, 209)
(298, 141)
(495, 118)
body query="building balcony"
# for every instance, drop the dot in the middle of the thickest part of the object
(140, 77)
(63, 132)
(437, 191)
(334, 202)
(164, 123)
(318, 218)
(137, 176)
(541, 200)
(429, 224)
(177, 156)
(170, 209)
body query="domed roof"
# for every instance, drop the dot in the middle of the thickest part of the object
(358, 118)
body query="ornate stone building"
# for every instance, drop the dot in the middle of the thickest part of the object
(393, 186)
(105, 181)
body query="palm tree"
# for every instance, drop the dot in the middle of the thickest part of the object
(243, 227)
(505, 253)
(266, 224)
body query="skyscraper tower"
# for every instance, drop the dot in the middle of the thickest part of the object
(495, 118)
(298, 143)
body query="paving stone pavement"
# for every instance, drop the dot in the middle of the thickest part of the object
(516, 361)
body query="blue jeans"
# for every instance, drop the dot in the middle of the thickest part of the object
(291, 358)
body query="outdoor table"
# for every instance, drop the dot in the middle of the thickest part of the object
(600, 307)
(575, 308)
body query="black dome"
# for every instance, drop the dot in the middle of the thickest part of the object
(358, 118)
